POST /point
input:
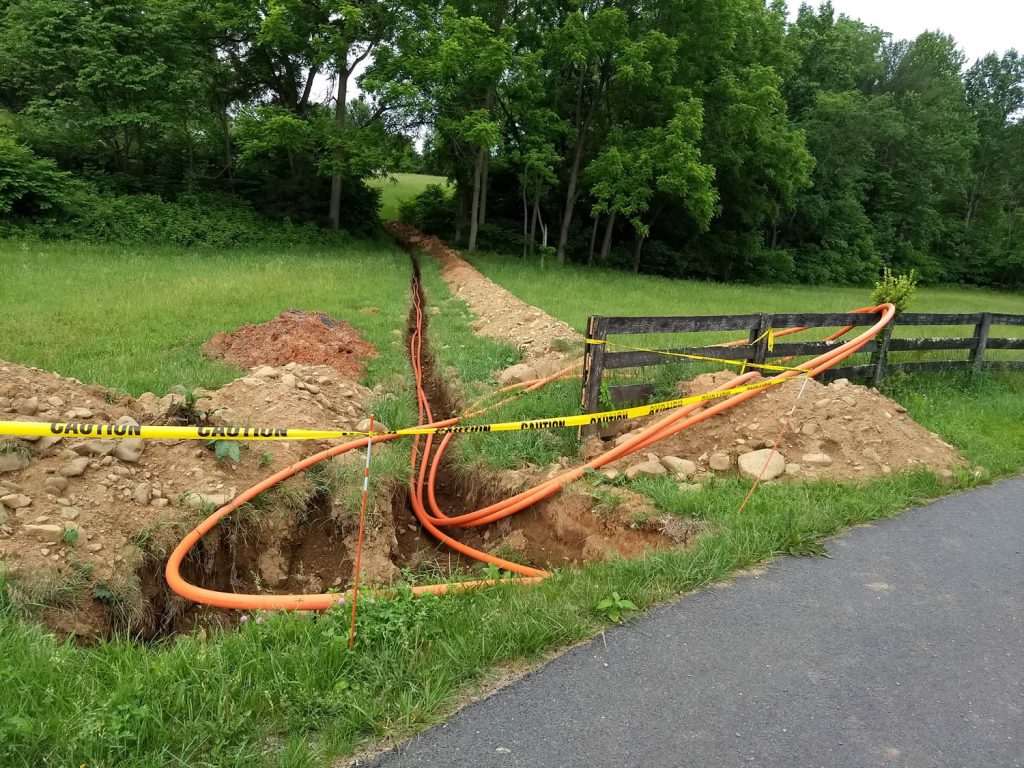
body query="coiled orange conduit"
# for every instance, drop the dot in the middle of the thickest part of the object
(423, 481)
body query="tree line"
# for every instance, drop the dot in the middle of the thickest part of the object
(709, 138)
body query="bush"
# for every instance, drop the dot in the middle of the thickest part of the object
(193, 221)
(432, 211)
(28, 184)
(895, 289)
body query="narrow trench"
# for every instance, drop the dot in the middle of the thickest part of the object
(308, 547)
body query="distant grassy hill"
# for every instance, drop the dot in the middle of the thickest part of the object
(399, 187)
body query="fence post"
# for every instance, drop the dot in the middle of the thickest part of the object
(881, 358)
(758, 335)
(981, 335)
(593, 366)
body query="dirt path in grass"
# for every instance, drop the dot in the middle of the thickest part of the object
(542, 339)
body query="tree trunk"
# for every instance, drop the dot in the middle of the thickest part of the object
(483, 188)
(304, 99)
(460, 213)
(340, 116)
(474, 212)
(526, 216)
(570, 199)
(593, 241)
(606, 244)
(638, 245)
(534, 218)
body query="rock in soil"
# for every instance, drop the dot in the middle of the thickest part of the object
(720, 462)
(12, 461)
(751, 464)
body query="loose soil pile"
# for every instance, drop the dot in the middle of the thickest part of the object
(128, 501)
(500, 314)
(294, 336)
(841, 431)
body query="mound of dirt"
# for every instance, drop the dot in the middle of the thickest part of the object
(501, 315)
(310, 338)
(91, 521)
(841, 431)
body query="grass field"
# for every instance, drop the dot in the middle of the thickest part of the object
(573, 293)
(286, 691)
(135, 320)
(399, 187)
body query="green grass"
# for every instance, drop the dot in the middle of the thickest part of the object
(399, 187)
(573, 293)
(135, 319)
(286, 691)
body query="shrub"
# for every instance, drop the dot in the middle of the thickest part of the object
(895, 289)
(28, 184)
(212, 221)
(432, 211)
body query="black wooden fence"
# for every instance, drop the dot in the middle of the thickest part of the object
(598, 358)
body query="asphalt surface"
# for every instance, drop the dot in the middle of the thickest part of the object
(903, 649)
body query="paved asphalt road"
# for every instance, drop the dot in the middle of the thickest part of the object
(906, 648)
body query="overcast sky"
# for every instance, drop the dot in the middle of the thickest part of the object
(978, 26)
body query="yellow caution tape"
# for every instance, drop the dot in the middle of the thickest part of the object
(770, 334)
(128, 431)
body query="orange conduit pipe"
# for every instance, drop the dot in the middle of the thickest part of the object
(422, 482)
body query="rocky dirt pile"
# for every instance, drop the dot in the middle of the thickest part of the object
(543, 340)
(294, 336)
(841, 431)
(88, 512)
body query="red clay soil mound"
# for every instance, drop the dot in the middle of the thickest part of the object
(294, 336)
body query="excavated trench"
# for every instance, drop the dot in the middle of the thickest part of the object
(306, 545)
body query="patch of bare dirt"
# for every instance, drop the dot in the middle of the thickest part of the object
(309, 338)
(501, 315)
(841, 431)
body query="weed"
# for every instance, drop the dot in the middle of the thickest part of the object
(898, 290)
(639, 521)
(226, 449)
(607, 501)
(614, 608)
(70, 536)
(265, 460)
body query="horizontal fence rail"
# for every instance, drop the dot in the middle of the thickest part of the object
(597, 357)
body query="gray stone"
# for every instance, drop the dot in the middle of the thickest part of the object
(12, 461)
(793, 469)
(75, 468)
(143, 493)
(94, 447)
(752, 463)
(816, 459)
(647, 468)
(48, 534)
(678, 466)
(161, 502)
(15, 500)
(130, 449)
(69, 513)
(517, 374)
(47, 442)
(55, 484)
(95, 547)
(720, 462)
(199, 500)
(809, 428)
(364, 426)
(289, 380)
(26, 406)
